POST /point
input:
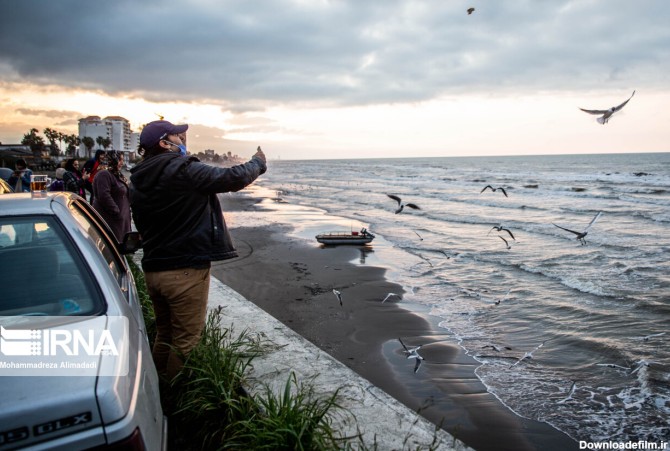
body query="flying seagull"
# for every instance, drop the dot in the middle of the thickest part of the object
(412, 353)
(502, 298)
(470, 11)
(607, 114)
(573, 388)
(614, 365)
(528, 355)
(648, 337)
(339, 295)
(390, 295)
(582, 235)
(494, 189)
(400, 204)
(641, 364)
(496, 348)
(500, 228)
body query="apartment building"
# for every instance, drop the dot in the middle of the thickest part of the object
(114, 128)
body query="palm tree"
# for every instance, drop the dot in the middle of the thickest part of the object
(99, 140)
(33, 140)
(88, 142)
(106, 142)
(52, 136)
(61, 138)
(72, 142)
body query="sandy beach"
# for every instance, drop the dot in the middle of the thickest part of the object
(292, 279)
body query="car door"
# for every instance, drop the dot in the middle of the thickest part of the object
(98, 230)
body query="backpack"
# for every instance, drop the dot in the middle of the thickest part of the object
(57, 185)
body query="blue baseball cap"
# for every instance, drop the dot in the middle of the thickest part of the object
(154, 131)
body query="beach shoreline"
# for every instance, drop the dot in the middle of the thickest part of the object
(292, 279)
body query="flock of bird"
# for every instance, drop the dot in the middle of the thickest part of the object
(580, 236)
(412, 353)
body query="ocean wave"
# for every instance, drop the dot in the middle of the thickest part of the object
(597, 297)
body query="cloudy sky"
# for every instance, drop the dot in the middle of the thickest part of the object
(345, 78)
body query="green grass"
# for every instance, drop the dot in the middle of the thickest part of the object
(296, 419)
(209, 398)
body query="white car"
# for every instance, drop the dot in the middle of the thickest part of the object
(59, 262)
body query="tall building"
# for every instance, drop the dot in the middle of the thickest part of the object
(114, 128)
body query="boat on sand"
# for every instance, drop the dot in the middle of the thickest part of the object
(334, 238)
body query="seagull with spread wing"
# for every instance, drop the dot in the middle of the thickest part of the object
(607, 114)
(649, 337)
(528, 355)
(500, 228)
(401, 206)
(581, 235)
(494, 189)
(412, 353)
(502, 298)
(390, 295)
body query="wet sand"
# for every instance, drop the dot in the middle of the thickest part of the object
(292, 279)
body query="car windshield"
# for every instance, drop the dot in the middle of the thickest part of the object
(41, 273)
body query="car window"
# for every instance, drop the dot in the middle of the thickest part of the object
(102, 241)
(41, 273)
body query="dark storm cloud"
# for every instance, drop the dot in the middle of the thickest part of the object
(339, 52)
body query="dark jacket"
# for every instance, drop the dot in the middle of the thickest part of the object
(176, 210)
(111, 201)
(92, 167)
(74, 183)
(22, 183)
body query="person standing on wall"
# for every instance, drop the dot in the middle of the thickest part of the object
(176, 211)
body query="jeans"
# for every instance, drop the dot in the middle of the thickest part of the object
(179, 297)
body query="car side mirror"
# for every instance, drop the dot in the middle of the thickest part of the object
(132, 242)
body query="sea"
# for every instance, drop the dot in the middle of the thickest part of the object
(575, 334)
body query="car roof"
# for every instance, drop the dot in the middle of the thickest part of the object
(5, 188)
(29, 204)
